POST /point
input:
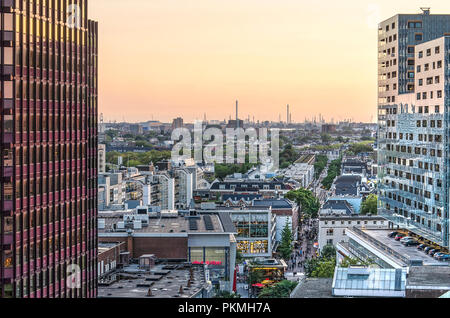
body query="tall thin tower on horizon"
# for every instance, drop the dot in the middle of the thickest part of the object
(237, 114)
(287, 115)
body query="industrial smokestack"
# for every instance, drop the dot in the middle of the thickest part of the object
(237, 114)
(287, 117)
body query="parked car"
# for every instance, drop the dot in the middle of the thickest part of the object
(398, 237)
(421, 246)
(406, 238)
(410, 243)
(427, 249)
(436, 255)
(444, 257)
(392, 234)
(433, 251)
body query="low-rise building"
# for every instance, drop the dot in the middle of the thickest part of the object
(176, 236)
(333, 229)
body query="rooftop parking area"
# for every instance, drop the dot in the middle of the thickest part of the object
(410, 252)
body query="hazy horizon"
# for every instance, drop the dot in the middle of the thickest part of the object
(176, 58)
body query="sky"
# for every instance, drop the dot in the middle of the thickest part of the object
(161, 59)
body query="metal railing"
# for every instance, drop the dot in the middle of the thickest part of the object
(381, 246)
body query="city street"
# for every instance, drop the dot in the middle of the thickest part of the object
(306, 250)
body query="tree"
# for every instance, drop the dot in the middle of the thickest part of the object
(370, 205)
(305, 199)
(239, 258)
(324, 269)
(347, 262)
(333, 171)
(282, 289)
(286, 241)
(324, 266)
(358, 148)
(319, 165)
(255, 277)
(326, 138)
(310, 266)
(328, 252)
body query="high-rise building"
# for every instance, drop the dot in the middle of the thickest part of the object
(177, 123)
(413, 119)
(48, 164)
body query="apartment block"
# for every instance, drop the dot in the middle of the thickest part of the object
(413, 124)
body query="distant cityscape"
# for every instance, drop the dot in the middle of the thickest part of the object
(96, 209)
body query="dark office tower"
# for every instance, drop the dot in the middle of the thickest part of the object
(48, 163)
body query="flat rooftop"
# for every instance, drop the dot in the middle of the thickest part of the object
(105, 246)
(314, 288)
(429, 276)
(410, 252)
(164, 225)
(164, 281)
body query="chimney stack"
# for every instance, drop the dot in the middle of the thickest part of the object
(237, 114)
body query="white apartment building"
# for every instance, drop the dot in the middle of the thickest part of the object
(332, 228)
(101, 158)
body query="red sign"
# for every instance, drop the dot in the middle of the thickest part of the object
(207, 263)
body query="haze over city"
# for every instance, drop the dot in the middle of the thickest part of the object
(188, 58)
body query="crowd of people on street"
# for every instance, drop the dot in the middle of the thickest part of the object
(305, 248)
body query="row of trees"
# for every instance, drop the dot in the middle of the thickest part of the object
(360, 147)
(133, 159)
(288, 156)
(320, 164)
(324, 266)
(223, 170)
(333, 171)
(304, 198)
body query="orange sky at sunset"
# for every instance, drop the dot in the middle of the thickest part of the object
(162, 59)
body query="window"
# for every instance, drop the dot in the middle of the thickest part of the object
(437, 49)
(418, 37)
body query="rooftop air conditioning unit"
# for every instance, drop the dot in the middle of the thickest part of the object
(137, 225)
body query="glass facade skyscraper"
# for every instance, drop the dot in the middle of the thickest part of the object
(413, 111)
(48, 194)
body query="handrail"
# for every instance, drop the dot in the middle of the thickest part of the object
(382, 246)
